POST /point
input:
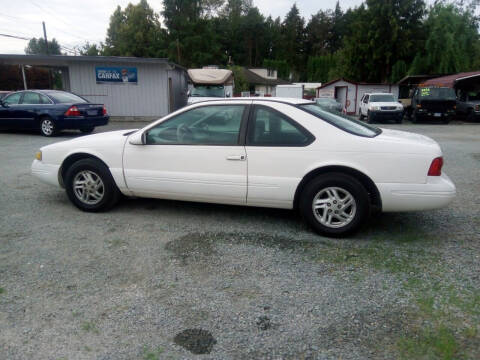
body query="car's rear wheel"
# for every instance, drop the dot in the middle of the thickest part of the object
(90, 186)
(335, 204)
(47, 127)
(87, 130)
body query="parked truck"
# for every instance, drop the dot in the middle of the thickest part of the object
(209, 84)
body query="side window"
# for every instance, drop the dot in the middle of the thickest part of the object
(366, 99)
(206, 125)
(271, 128)
(44, 99)
(31, 98)
(12, 99)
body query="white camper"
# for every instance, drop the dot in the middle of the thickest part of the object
(290, 91)
(208, 84)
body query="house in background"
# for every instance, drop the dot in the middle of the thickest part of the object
(262, 81)
(348, 93)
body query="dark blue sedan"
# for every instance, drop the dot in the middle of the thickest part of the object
(50, 111)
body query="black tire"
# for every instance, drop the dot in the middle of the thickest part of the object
(87, 130)
(341, 182)
(413, 118)
(369, 118)
(361, 116)
(470, 116)
(110, 193)
(399, 121)
(47, 127)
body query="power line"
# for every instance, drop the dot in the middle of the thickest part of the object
(14, 36)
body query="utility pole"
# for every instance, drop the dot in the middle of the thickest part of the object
(45, 36)
(46, 49)
(24, 78)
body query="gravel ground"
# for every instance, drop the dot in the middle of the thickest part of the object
(156, 279)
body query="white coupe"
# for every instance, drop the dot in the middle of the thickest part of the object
(281, 153)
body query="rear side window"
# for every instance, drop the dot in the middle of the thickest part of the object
(272, 128)
(12, 99)
(66, 98)
(31, 98)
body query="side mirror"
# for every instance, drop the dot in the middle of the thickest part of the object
(138, 138)
(188, 93)
(2, 104)
(228, 94)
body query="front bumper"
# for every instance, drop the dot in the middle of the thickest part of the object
(79, 122)
(386, 115)
(437, 192)
(48, 173)
(432, 115)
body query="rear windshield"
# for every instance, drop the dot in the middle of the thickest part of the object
(66, 98)
(437, 93)
(343, 122)
(382, 98)
(208, 91)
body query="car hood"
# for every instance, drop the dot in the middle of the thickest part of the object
(385, 104)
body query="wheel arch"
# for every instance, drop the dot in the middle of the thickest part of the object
(366, 181)
(70, 160)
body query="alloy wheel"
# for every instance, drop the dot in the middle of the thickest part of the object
(334, 207)
(88, 187)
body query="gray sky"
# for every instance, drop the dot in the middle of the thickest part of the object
(73, 22)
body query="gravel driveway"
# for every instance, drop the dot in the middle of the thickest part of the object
(156, 279)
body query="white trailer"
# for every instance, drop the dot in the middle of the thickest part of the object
(290, 91)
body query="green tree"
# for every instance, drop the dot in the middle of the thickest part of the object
(452, 43)
(90, 49)
(37, 46)
(135, 31)
(382, 33)
(293, 41)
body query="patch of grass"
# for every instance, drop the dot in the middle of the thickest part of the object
(115, 243)
(152, 354)
(436, 343)
(2, 291)
(89, 326)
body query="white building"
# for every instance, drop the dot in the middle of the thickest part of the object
(262, 81)
(348, 93)
(131, 88)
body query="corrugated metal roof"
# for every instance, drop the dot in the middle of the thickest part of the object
(450, 80)
(63, 60)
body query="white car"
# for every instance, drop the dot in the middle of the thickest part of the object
(280, 153)
(380, 107)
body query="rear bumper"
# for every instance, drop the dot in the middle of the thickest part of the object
(438, 192)
(48, 173)
(386, 115)
(432, 115)
(79, 122)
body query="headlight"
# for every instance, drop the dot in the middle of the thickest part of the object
(376, 108)
(400, 108)
(38, 155)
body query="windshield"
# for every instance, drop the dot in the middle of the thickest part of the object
(437, 93)
(66, 98)
(472, 96)
(342, 121)
(208, 91)
(382, 98)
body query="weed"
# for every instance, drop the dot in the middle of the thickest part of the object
(89, 326)
(2, 290)
(152, 354)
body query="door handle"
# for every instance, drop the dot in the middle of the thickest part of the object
(236, 157)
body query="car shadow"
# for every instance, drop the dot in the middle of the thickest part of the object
(390, 227)
(62, 134)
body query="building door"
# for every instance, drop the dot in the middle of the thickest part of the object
(341, 95)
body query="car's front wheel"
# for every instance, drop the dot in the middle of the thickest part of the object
(90, 186)
(335, 204)
(47, 127)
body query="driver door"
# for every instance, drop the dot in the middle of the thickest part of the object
(196, 155)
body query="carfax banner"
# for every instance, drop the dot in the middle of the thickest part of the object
(116, 74)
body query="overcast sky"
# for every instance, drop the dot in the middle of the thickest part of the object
(73, 22)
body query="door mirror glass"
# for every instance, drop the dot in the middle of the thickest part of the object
(228, 94)
(137, 138)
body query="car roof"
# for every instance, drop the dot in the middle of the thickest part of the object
(291, 101)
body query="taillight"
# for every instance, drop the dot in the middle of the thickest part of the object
(419, 106)
(436, 167)
(72, 111)
(477, 107)
(104, 110)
